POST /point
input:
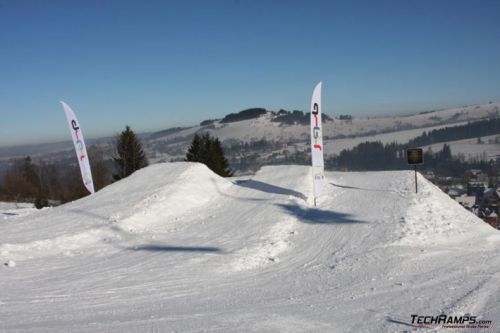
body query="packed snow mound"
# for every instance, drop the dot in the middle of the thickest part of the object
(148, 200)
(164, 192)
(192, 251)
(433, 218)
(182, 184)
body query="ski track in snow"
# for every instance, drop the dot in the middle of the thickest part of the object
(176, 248)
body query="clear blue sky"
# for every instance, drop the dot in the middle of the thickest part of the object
(158, 64)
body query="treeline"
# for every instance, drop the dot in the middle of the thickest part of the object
(467, 131)
(238, 147)
(208, 150)
(375, 156)
(291, 117)
(282, 116)
(369, 156)
(44, 183)
(244, 115)
(296, 117)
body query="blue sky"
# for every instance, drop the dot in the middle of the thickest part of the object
(158, 64)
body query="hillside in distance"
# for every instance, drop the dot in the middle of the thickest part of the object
(174, 247)
(267, 124)
(339, 132)
(261, 134)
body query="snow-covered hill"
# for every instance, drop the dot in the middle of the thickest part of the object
(338, 134)
(484, 148)
(175, 248)
(265, 127)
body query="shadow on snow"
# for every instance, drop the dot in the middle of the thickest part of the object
(167, 248)
(268, 188)
(401, 322)
(148, 247)
(363, 189)
(318, 216)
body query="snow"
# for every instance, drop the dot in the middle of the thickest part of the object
(9, 210)
(419, 226)
(335, 146)
(470, 148)
(263, 127)
(465, 200)
(10, 263)
(387, 129)
(175, 248)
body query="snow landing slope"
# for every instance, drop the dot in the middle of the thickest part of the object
(176, 248)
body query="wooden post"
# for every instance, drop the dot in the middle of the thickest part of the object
(416, 186)
(415, 156)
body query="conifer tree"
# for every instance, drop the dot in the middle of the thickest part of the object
(219, 163)
(193, 154)
(130, 157)
(208, 150)
(29, 172)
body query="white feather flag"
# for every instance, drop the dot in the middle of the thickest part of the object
(317, 142)
(81, 151)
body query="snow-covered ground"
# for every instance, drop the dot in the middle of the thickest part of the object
(470, 148)
(15, 209)
(175, 248)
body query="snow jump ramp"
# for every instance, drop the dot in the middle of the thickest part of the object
(175, 247)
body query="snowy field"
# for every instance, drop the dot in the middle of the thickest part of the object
(470, 148)
(175, 248)
(335, 146)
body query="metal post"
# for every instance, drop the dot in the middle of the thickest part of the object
(314, 201)
(416, 186)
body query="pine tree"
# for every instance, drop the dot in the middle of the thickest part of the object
(130, 157)
(208, 150)
(29, 172)
(193, 154)
(446, 152)
(219, 162)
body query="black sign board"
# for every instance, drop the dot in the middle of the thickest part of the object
(415, 156)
